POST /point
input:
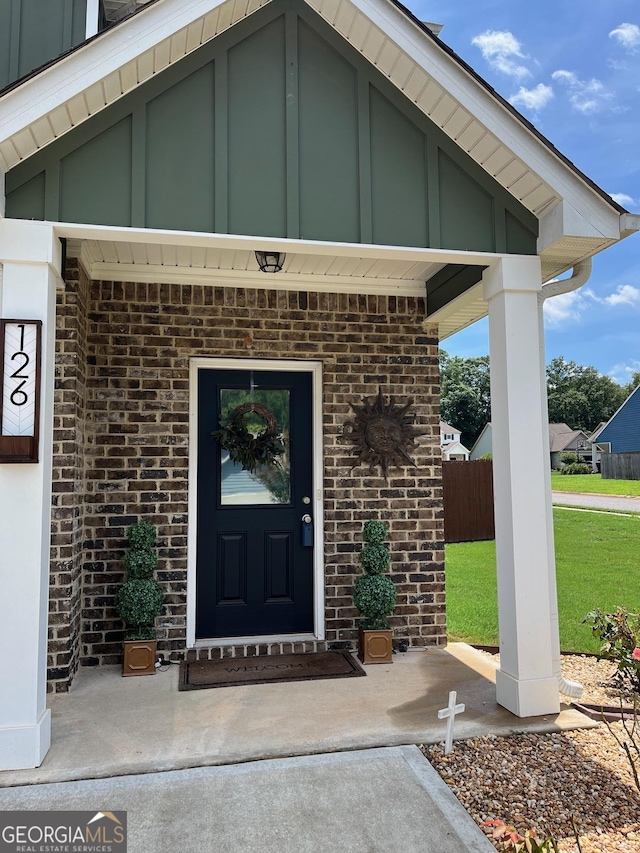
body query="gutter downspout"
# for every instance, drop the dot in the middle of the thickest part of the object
(580, 275)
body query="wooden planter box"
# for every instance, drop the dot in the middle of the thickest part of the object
(375, 646)
(139, 657)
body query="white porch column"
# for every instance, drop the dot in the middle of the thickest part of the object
(526, 683)
(29, 259)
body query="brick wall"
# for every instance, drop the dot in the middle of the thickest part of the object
(67, 511)
(140, 338)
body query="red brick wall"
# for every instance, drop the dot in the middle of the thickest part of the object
(140, 338)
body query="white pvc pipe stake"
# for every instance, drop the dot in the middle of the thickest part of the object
(449, 714)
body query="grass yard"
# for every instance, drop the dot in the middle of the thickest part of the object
(594, 484)
(597, 558)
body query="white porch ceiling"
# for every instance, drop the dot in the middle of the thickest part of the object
(173, 263)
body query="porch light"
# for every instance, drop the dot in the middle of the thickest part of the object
(270, 261)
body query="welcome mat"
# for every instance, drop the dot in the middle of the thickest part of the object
(234, 672)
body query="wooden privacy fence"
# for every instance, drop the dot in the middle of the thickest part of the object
(620, 466)
(468, 500)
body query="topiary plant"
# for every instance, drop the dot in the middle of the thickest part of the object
(139, 600)
(374, 593)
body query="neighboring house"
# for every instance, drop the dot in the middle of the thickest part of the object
(562, 439)
(621, 433)
(452, 447)
(292, 201)
(596, 453)
(483, 444)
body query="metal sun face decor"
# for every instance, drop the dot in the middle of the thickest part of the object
(382, 433)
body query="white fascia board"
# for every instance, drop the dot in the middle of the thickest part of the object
(479, 102)
(245, 243)
(88, 65)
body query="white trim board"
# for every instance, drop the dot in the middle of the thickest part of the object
(316, 506)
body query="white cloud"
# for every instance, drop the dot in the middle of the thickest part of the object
(532, 99)
(586, 96)
(499, 49)
(628, 35)
(568, 307)
(623, 199)
(623, 371)
(625, 294)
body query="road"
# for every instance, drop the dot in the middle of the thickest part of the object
(609, 502)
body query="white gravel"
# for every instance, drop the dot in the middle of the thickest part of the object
(547, 781)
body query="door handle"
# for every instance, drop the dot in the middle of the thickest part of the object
(307, 531)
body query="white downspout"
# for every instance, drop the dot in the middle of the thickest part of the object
(580, 275)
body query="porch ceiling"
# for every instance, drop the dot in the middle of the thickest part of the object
(142, 255)
(173, 263)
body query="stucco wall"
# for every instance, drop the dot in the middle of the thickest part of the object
(140, 338)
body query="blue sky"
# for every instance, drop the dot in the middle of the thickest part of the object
(573, 69)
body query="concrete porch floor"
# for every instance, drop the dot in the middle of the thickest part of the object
(112, 726)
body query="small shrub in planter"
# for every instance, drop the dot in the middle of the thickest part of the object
(139, 600)
(375, 594)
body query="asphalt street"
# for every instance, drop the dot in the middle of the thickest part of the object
(608, 502)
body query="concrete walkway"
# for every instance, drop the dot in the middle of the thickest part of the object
(133, 744)
(378, 801)
(615, 503)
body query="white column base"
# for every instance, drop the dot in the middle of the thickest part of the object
(535, 698)
(24, 747)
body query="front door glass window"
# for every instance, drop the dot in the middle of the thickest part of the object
(268, 483)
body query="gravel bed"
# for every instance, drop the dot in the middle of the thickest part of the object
(547, 781)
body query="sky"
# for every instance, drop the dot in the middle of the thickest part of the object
(573, 69)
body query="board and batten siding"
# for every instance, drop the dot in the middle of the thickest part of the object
(32, 32)
(276, 128)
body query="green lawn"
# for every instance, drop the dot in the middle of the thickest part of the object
(594, 484)
(597, 566)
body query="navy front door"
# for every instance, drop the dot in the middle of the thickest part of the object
(254, 572)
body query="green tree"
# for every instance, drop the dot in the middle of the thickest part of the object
(465, 394)
(635, 381)
(580, 396)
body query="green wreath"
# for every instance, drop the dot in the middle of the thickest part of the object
(247, 449)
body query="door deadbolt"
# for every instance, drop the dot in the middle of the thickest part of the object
(306, 533)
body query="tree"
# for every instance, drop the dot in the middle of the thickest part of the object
(465, 395)
(581, 396)
(635, 381)
(578, 396)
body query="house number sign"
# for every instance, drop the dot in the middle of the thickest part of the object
(20, 398)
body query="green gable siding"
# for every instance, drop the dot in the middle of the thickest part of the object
(328, 152)
(33, 32)
(95, 184)
(27, 202)
(399, 190)
(280, 128)
(256, 155)
(179, 192)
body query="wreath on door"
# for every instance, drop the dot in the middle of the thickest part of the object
(245, 448)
